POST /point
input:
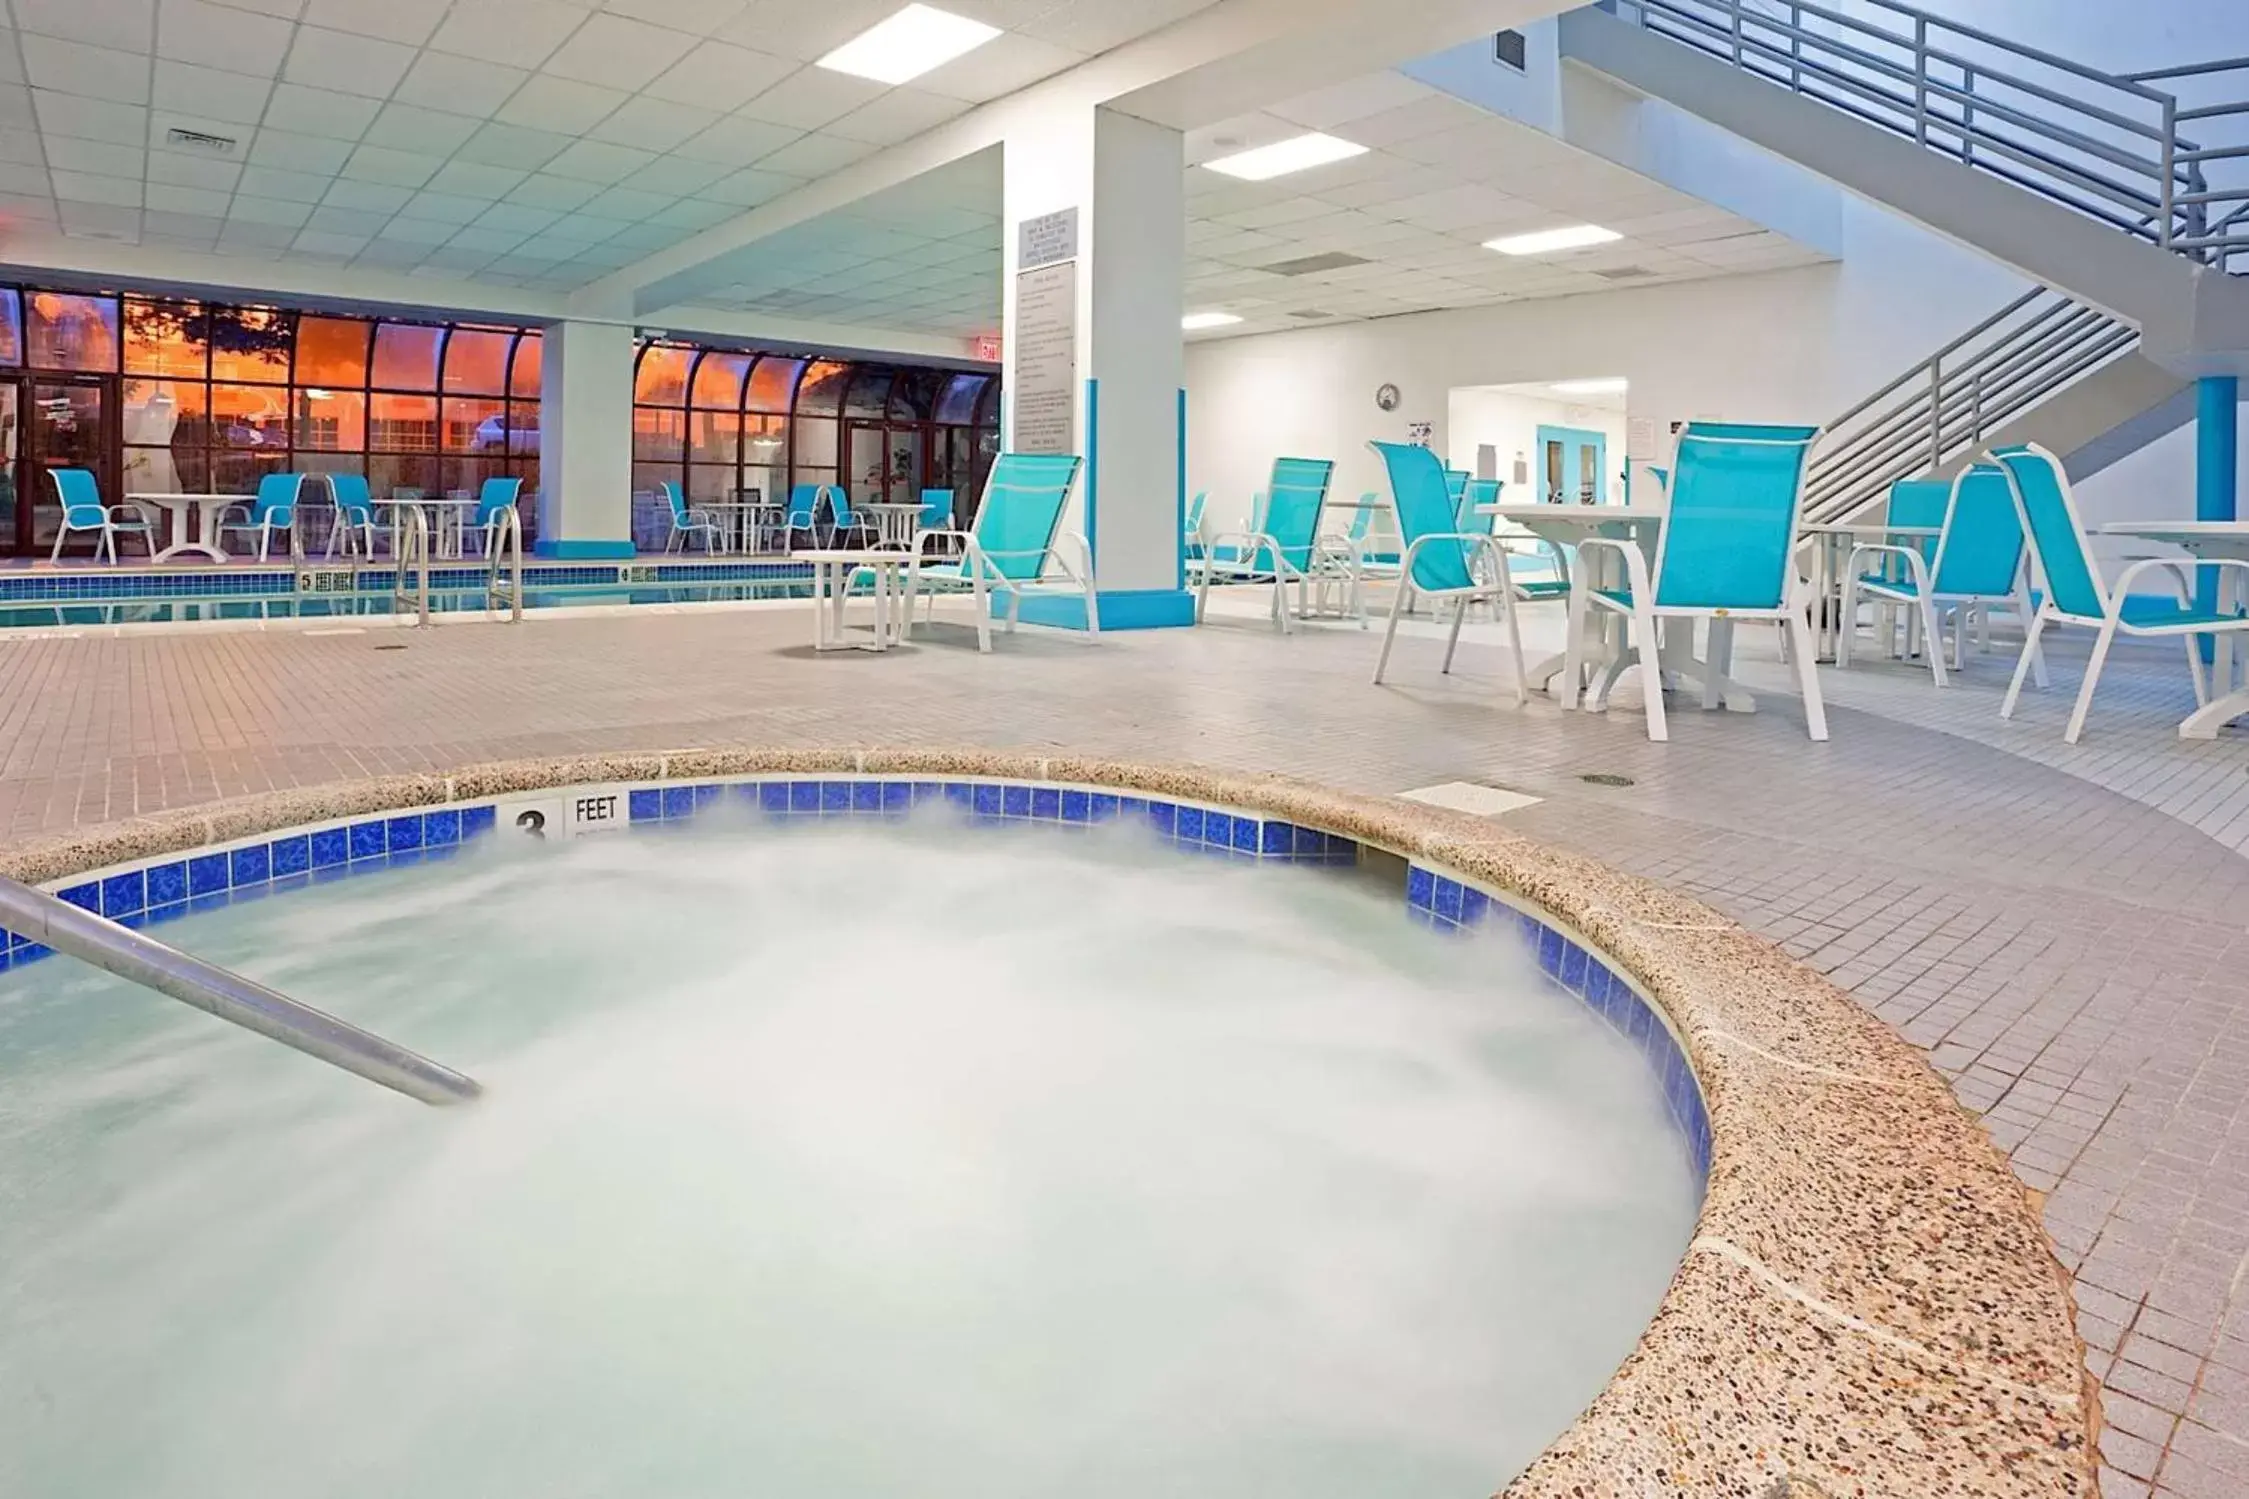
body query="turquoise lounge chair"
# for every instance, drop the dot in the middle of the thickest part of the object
(274, 509)
(354, 507)
(1976, 562)
(1727, 553)
(687, 522)
(1286, 551)
(1191, 535)
(1012, 545)
(83, 510)
(1440, 562)
(2075, 594)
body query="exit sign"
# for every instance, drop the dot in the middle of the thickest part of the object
(989, 348)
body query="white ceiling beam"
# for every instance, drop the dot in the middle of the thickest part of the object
(1225, 61)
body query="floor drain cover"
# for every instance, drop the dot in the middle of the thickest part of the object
(390, 647)
(1602, 778)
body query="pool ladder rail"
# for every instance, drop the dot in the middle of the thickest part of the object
(506, 578)
(143, 960)
(411, 550)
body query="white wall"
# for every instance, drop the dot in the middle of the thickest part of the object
(1509, 420)
(1796, 345)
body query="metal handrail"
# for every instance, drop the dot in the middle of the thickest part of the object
(1940, 410)
(507, 547)
(2108, 145)
(143, 960)
(413, 550)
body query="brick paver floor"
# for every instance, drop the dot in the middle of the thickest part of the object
(2061, 929)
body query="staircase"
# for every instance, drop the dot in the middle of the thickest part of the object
(2126, 197)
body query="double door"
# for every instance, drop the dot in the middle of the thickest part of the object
(893, 462)
(1573, 466)
(49, 422)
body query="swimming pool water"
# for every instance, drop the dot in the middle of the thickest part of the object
(345, 606)
(828, 1160)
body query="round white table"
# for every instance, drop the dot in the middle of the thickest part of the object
(894, 520)
(186, 513)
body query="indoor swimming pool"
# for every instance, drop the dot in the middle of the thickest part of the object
(823, 1156)
(465, 602)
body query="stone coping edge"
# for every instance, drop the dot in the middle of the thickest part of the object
(1869, 1308)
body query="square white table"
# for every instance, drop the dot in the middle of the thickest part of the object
(2228, 539)
(743, 521)
(832, 572)
(1830, 552)
(186, 513)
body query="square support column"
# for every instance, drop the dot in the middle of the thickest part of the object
(1095, 277)
(585, 441)
(2216, 477)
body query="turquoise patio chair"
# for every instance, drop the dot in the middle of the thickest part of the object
(936, 511)
(495, 498)
(1191, 534)
(1439, 562)
(274, 509)
(1726, 553)
(687, 522)
(1975, 562)
(353, 505)
(1287, 551)
(1013, 544)
(806, 504)
(2075, 594)
(83, 510)
(1475, 493)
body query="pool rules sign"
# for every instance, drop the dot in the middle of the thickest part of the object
(1046, 334)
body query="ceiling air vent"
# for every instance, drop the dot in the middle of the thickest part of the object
(1333, 260)
(1624, 273)
(196, 140)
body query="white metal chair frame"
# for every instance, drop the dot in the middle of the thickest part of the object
(979, 573)
(1487, 561)
(1332, 561)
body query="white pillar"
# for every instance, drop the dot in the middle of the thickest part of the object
(1100, 374)
(585, 441)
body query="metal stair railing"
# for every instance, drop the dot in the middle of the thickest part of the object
(140, 959)
(2107, 145)
(1940, 411)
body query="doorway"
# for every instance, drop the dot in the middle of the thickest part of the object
(1573, 466)
(50, 422)
(893, 462)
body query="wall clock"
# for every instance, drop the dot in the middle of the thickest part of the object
(1387, 397)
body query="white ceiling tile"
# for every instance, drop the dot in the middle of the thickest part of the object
(899, 115)
(76, 68)
(461, 85)
(407, 128)
(475, 179)
(598, 161)
(627, 203)
(805, 32)
(358, 221)
(519, 33)
(178, 169)
(17, 177)
(318, 111)
(366, 197)
(445, 208)
(128, 25)
(811, 98)
(677, 175)
(721, 77)
(389, 255)
(90, 187)
(695, 213)
(299, 153)
(584, 227)
(1001, 66)
(543, 191)
(750, 187)
(275, 182)
(619, 52)
(700, 17)
(324, 242)
(94, 119)
(26, 208)
(101, 220)
(254, 222)
(346, 63)
(562, 105)
(178, 227)
(737, 139)
(219, 36)
(408, 21)
(105, 157)
(211, 92)
(1335, 107)
(490, 241)
(396, 168)
(517, 218)
(514, 146)
(408, 230)
(654, 124)
(817, 155)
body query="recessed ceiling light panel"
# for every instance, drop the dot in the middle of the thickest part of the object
(1551, 241)
(1196, 321)
(909, 44)
(1615, 385)
(1299, 154)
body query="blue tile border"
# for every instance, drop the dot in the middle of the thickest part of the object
(174, 885)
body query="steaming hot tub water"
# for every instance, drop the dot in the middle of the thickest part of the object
(832, 1161)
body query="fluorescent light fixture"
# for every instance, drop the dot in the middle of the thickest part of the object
(1196, 321)
(1300, 154)
(1547, 241)
(1615, 385)
(909, 44)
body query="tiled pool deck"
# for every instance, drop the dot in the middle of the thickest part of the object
(2061, 929)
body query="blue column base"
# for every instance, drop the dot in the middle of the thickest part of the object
(570, 549)
(1138, 609)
